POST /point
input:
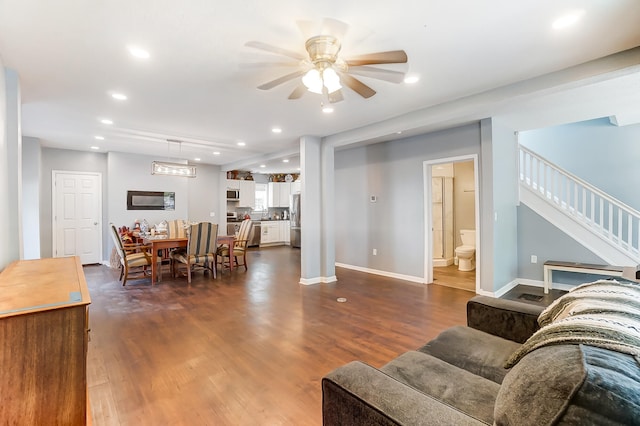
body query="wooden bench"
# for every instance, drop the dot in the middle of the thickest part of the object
(585, 268)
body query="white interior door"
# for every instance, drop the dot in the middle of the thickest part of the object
(77, 212)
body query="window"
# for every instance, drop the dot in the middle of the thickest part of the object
(261, 197)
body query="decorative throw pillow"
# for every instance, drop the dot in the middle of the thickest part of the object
(604, 314)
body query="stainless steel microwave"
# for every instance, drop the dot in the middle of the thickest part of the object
(233, 194)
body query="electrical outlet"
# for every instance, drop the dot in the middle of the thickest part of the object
(534, 258)
(212, 214)
(375, 252)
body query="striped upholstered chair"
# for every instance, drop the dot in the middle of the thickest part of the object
(176, 229)
(134, 259)
(239, 246)
(200, 252)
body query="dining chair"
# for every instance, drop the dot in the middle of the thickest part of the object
(134, 258)
(239, 246)
(200, 251)
(176, 229)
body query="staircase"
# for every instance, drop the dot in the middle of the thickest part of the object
(604, 225)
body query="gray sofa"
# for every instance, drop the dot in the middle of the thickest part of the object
(459, 379)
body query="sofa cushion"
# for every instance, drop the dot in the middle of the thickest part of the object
(570, 384)
(473, 350)
(467, 392)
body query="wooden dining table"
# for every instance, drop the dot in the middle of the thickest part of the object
(162, 242)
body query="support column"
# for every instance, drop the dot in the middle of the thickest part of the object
(317, 255)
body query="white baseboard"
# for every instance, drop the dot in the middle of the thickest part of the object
(419, 280)
(536, 283)
(442, 262)
(318, 280)
(503, 290)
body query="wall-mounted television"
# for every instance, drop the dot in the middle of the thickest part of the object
(151, 200)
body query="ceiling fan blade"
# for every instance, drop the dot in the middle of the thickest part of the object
(357, 86)
(390, 57)
(298, 92)
(274, 49)
(335, 97)
(278, 81)
(379, 73)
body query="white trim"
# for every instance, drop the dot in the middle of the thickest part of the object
(503, 290)
(428, 237)
(538, 283)
(419, 280)
(318, 280)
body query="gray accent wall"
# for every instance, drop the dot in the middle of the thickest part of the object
(73, 161)
(505, 200)
(203, 195)
(394, 223)
(31, 168)
(538, 237)
(7, 252)
(596, 151)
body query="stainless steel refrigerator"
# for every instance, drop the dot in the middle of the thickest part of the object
(294, 218)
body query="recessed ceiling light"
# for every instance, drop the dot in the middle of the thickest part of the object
(216, 152)
(241, 143)
(106, 121)
(327, 109)
(286, 160)
(119, 96)
(399, 132)
(567, 20)
(276, 130)
(100, 138)
(196, 159)
(138, 52)
(410, 79)
(263, 165)
(95, 147)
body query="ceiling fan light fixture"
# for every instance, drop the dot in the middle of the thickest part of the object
(331, 80)
(313, 81)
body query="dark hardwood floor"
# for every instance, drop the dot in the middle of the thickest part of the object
(248, 348)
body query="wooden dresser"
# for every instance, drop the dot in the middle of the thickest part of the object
(44, 335)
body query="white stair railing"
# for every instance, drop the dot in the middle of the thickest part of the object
(610, 219)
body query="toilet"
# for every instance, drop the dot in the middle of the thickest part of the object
(466, 253)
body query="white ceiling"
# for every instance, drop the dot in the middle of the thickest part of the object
(198, 85)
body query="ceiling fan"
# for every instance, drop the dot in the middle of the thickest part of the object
(325, 73)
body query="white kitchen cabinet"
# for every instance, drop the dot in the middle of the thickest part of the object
(270, 232)
(247, 193)
(233, 184)
(285, 192)
(279, 194)
(285, 232)
(273, 199)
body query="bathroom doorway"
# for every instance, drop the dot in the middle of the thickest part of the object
(451, 208)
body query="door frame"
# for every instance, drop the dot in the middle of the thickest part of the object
(428, 215)
(54, 206)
